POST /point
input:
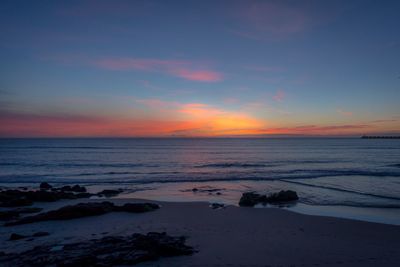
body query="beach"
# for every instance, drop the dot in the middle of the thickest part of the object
(229, 236)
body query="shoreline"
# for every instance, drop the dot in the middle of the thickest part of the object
(182, 192)
(231, 236)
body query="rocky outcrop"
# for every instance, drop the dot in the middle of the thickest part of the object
(75, 188)
(15, 236)
(107, 251)
(215, 206)
(48, 193)
(15, 213)
(109, 192)
(45, 185)
(85, 210)
(16, 198)
(282, 196)
(251, 199)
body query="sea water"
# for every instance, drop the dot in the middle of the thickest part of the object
(344, 177)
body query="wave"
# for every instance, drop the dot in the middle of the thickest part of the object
(60, 147)
(264, 164)
(178, 176)
(78, 165)
(394, 165)
(341, 189)
(232, 164)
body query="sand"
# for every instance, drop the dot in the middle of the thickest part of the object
(232, 236)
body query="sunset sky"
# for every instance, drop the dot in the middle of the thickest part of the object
(199, 68)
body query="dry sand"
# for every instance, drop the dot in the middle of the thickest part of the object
(231, 236)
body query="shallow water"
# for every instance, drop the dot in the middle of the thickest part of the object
(326, 172)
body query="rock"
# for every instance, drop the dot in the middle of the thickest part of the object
(283, 196)
(12, 214)
(15, 198)
(8, 215)
(15, 236)
(45, 185)
(107, 251)
(39, 234)
(75, 188)
(78, 189)
(251, 199)
(10, 198)
(65, 188)
(205, 189)
(84, 210)
(28, 210)
(109, 192)
(217, 206)
(137, 207)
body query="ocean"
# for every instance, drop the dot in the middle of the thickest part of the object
(344, 177)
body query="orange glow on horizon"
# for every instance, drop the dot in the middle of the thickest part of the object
(173, 119)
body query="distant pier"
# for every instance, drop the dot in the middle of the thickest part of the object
(379, 137)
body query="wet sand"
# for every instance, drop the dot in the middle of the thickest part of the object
(231, 236)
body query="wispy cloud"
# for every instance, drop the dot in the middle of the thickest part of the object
(187, 70)
(279, 95)
(344, 112)
(384, 121)
(319, 130)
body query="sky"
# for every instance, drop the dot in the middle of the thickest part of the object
(199, 68)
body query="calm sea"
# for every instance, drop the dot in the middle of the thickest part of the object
(331, 174)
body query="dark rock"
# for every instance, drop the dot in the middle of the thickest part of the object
(15, 198)
(8, 215)
(12, 214)
(15, 236)
(109, 192)
(39, 234)
(45, 185)
(137, 207)
(84, 210)
(83, 195)
(78, 189)
(251, 199)
(283, 196)
(66, 188)
(206, 189)
(75, 188)
(107, 251)
(217, 206)
(28, 210)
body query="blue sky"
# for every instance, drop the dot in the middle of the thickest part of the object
(199, 68)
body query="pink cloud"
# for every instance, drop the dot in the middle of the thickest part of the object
(188, 70)
(279, 95)
(344, 112)
(179, 68)
(138, 64)
(384, 121)
(202, 76)
(320, 130)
